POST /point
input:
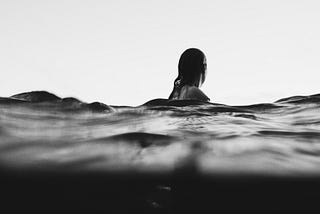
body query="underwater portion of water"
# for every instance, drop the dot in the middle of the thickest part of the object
(42, 131)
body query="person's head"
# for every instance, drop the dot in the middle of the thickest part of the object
(192, 67)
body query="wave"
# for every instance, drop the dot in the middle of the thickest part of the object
(47, 97)
(37, 126)
(46, 100)
(301, 99)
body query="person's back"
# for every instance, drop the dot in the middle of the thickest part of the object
(192, 71)
(191, 92)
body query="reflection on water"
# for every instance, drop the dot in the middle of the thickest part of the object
(162, 135)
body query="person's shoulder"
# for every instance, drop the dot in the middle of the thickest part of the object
(192, 92)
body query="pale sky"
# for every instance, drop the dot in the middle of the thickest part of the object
(126, 52)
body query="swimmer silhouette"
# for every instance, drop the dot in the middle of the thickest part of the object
(192, 73)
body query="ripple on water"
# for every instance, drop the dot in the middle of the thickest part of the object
(41, 129)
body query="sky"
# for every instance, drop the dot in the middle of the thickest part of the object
(126, 52)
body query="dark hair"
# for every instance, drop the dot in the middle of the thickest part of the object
(192, 67)
(192, 70)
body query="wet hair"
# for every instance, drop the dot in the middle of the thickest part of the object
(192, 70)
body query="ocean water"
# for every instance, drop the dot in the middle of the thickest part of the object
(42, 131)
(62, 155)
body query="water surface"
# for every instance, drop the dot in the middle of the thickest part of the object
(42, 131)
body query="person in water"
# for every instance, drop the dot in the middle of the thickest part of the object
(192, 73)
